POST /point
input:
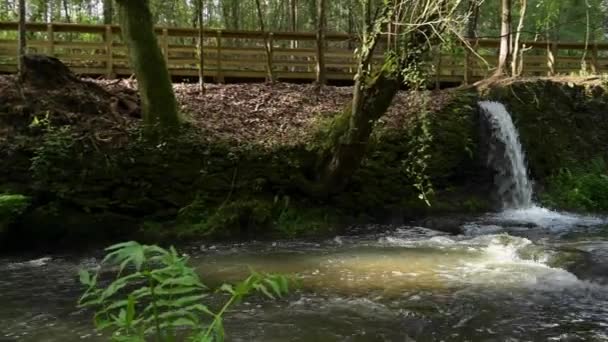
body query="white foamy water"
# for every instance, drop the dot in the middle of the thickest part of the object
(549, 219)
(514, 187)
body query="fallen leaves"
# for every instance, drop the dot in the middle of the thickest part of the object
(254, 113)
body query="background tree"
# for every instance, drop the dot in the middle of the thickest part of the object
(267, 42)
(22, 38)
(201, 52)
(108, 11)
(505, 37)
(153, 81)
(321, 21)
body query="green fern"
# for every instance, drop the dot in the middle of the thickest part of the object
(156, 293)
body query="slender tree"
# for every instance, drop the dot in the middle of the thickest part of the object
(505, 37)
(321, 77)
(267, 42)
(473, 18)
(201, 52)
(293, 20)
(517, 59)
(22, 38)
(108, 11)
(159, 105)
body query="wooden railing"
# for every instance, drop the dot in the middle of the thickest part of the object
(97, 50)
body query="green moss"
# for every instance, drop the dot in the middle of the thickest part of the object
(11, 207)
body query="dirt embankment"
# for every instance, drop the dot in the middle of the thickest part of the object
(266, 114)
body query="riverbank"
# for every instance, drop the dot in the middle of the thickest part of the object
(235, 169)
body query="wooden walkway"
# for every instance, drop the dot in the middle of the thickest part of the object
(97, 50)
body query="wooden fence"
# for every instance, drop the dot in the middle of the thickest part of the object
(97, 50)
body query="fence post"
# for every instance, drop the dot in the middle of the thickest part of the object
(552, 57)
(109, 53)
(50, 31)
(219, 75)
(165, 44)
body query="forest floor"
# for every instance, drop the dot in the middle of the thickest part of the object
(264, 114)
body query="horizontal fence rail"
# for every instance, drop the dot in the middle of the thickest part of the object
(98, 50)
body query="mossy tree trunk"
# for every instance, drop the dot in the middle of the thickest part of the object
(159, 106)
(374, 91)
(372, 96)
(22, 39)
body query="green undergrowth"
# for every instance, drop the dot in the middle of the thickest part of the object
(96, 186)
(580, 188)
(11, 207)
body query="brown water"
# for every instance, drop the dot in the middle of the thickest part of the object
(521, 276)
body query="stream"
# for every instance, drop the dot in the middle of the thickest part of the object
(521, 275)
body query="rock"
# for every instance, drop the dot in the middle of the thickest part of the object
(448, 224)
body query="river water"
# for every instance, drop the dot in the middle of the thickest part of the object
(522, 275)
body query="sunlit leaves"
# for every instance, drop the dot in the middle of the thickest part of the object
(156, 293)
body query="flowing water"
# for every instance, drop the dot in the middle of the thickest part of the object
(509, 277)
(524, 274)
(507, 157)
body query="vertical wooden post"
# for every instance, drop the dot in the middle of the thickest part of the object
(165, 46)
(50, 32)
(552, 58)
(109, 39)
(595, 65)
(219, 75)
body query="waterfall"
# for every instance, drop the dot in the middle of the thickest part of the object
(507, 158)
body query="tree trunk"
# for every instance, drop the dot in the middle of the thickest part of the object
(66, 9)
(108, 11)
(201, 55)
(505, 38)
(321, 78)
(517, 58)
(267, 43)
(294, 21)
(369, 103)
(22, 39)
(350, 133)
(587, 36)
(473, 18)
(235, 14)
(159, 106)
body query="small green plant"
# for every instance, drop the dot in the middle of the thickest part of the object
(157, 294)
(417, 161)
(54, 150)
(579, 189)
(12, 205)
